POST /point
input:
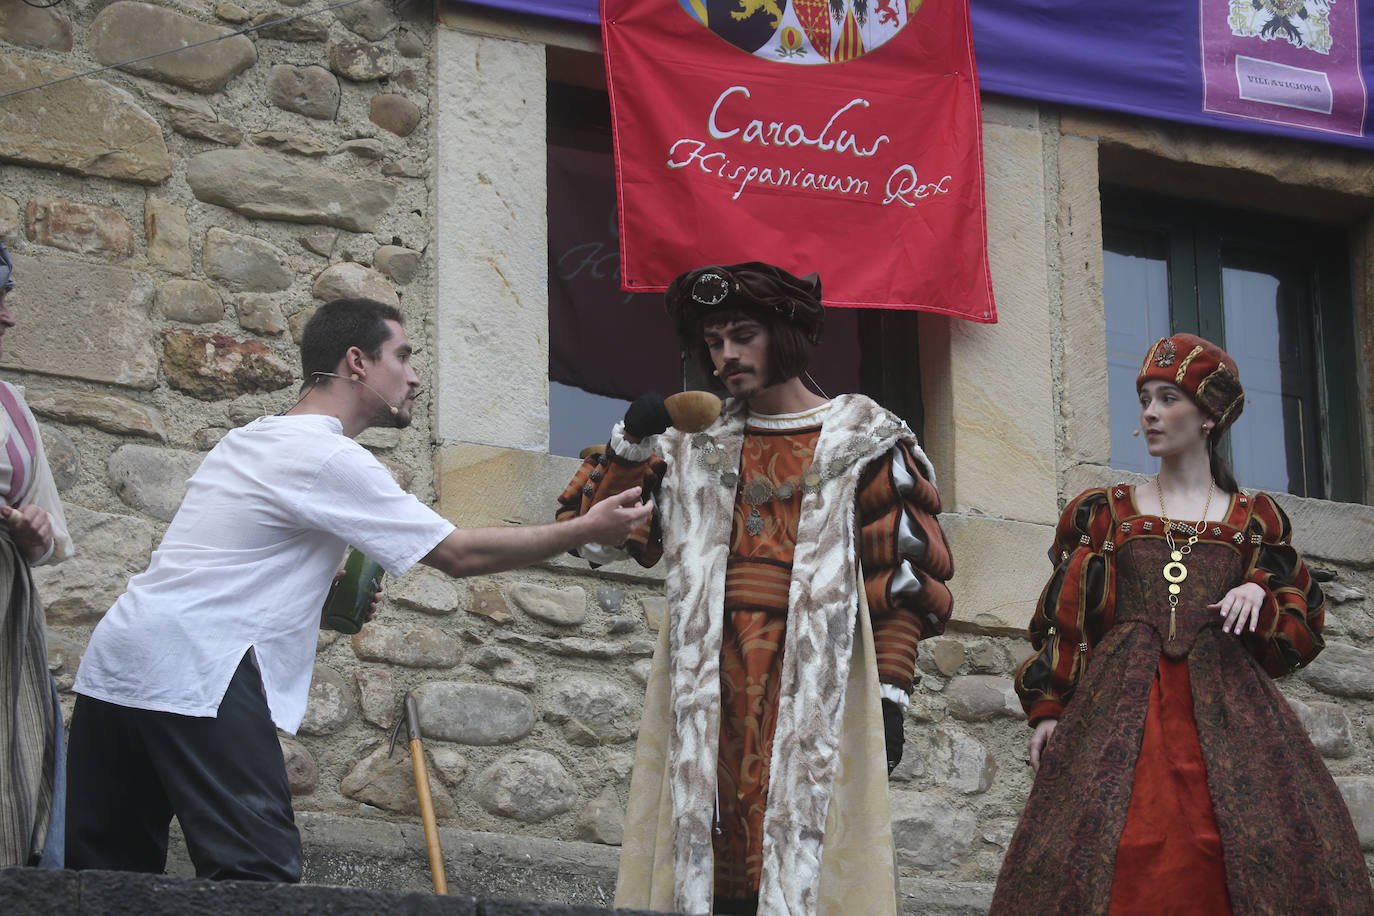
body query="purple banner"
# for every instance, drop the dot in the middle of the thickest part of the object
(1285, 61)
(1148, 59)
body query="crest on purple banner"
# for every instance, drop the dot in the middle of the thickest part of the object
(1302, 23)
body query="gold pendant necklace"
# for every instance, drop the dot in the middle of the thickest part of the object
(1174, 571)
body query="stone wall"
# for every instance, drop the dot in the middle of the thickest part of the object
(173, 226)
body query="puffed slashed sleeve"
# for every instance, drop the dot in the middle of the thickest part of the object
(1074, 609)
(1288, 634)
(906, 563)
(613, 470)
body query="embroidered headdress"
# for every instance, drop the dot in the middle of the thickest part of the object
(1204, 371)
(751, 287)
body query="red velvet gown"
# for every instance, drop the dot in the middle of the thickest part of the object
(1179, 779)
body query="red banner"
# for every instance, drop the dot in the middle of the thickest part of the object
(841, 136)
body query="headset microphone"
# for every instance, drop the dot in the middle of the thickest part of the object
(354, 378)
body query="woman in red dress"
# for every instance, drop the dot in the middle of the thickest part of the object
(1171, 774)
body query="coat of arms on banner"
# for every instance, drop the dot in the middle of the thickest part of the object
(1302, 23)
(804, 31)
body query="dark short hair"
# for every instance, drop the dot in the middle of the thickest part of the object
(341, 324)
(789, 350)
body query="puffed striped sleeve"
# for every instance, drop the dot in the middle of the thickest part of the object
(906, 563)
(613, 470)
(1074, 609)
(1288, 635)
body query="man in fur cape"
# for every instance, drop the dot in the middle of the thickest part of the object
(803, 565)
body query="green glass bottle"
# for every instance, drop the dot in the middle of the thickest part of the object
(351, 595)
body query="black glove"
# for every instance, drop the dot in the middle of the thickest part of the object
(647, 416)
(893, 733)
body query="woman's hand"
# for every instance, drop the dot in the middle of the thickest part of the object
(1039, 739)
(1240, 604)
(31, 530)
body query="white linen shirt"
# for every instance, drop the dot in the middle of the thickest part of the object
(246, 563)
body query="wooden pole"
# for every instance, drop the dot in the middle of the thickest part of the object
(417, 759)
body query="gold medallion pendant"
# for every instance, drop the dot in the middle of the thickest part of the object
(1174, 571)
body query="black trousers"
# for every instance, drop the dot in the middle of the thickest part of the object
(130, 770)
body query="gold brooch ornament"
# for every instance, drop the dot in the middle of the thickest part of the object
(1166, 354)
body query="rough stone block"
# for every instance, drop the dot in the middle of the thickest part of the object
(477, 714)
(270, 186)
(74, 226)
(111, 548)
(372, 19)
(1338, 532)
(126, 30)
(35, 26)
(152, 480)
(302, 774)
(359, 62)
(1327, 725)
(58, 295)
(528, 786)
(395, 113)
(213, 367)
(103, 411)
(244, 263)
(169, 236)
(311, 91)
(290, 142)
(565, 607)
(1359, 798)
(412, 647)
(1000, 604)
(190, 301)
(592, 711)
(296, 30)
(1342, 670)
(347, 280)
(980, 697)
(387, 780)
(329, 706)
(930, 834)
(54, 129)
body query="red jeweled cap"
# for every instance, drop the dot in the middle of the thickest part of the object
(1204, 371)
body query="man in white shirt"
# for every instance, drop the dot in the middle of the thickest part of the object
(186, 674)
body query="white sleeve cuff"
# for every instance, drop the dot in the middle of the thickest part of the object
(601, 554)
(895, 694)
(630, 451)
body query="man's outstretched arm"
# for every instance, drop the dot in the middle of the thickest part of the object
(478, 551)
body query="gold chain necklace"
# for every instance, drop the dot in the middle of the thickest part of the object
(1174, 571)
